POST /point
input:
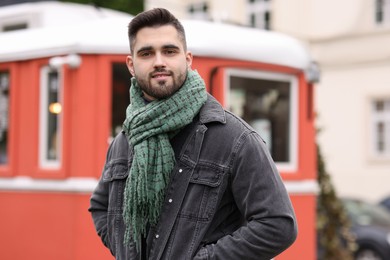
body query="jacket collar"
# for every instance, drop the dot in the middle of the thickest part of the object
(212, 111)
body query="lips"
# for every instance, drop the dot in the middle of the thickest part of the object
(161, 74)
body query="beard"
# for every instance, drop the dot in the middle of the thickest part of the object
(162, 89)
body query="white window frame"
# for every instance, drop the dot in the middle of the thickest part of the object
(292, 165)
(376, 117)
(44, 162)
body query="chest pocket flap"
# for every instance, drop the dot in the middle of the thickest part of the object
(116, 170)
(206, 175)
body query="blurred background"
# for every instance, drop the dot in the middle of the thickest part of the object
(323, 107)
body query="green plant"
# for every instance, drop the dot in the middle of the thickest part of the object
(335, 240)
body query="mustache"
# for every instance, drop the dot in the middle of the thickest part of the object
(161, 71)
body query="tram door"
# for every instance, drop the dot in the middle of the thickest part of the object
(268, 102)
(120, 96)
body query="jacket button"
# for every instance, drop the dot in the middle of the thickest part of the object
(157, 236)
(170, 200)
(180, 170)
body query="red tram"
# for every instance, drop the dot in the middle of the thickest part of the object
(63, 94)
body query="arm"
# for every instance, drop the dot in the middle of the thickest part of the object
(262, 199)
(99, 207)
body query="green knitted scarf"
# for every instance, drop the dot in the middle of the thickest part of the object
(148, 128)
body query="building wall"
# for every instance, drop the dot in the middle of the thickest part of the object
(318, 20)
(219, 10)
(176, 7)
(343, 99)
(352, 52)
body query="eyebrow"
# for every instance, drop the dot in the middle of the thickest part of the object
(170, 46)
(166, 46)
(146, 48)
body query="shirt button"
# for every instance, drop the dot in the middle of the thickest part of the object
(180, 170)
(170, 200)
(157, 236)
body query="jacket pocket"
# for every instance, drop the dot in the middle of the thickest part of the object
(202, 194)
(115, 175)
(116, 170)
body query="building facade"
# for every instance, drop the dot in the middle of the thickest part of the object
(253, 13)
(350, 40)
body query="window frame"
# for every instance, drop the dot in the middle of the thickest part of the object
(9, 110)
(382, 9)
(8, 170)
(43, 162)
(375, 118)
(292, 165)
(199, 10)
(29, 20)
(259, 14)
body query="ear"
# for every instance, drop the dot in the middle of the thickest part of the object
(130, 64)
(189, 58)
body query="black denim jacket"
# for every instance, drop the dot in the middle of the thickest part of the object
(225, 199)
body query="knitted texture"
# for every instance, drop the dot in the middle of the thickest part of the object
(149, 128)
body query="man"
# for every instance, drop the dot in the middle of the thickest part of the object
(185, 179)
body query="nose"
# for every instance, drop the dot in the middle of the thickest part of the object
(159, 60)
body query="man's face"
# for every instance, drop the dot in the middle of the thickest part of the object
(159, 61)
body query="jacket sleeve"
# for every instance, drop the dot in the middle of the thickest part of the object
(262, 199)
(99, 206)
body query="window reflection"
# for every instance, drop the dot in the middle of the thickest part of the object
(4, 116)
(265, 105)
(51, 115)
(120, 96)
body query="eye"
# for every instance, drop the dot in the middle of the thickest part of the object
(170, 51)
(145, 54)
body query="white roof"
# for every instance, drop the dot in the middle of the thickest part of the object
(243, 43)
(53, 14)
(88, 31)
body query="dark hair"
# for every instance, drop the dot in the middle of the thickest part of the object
(154, 18)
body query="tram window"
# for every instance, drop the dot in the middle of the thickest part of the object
(268, 102)
(4, 116)
(120, 96)
(14, 27)
(50, 140)
(380, 123)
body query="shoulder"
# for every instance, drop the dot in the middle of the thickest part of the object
(235, 121)
(233, 127)
(214, 115)
(119, 147)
